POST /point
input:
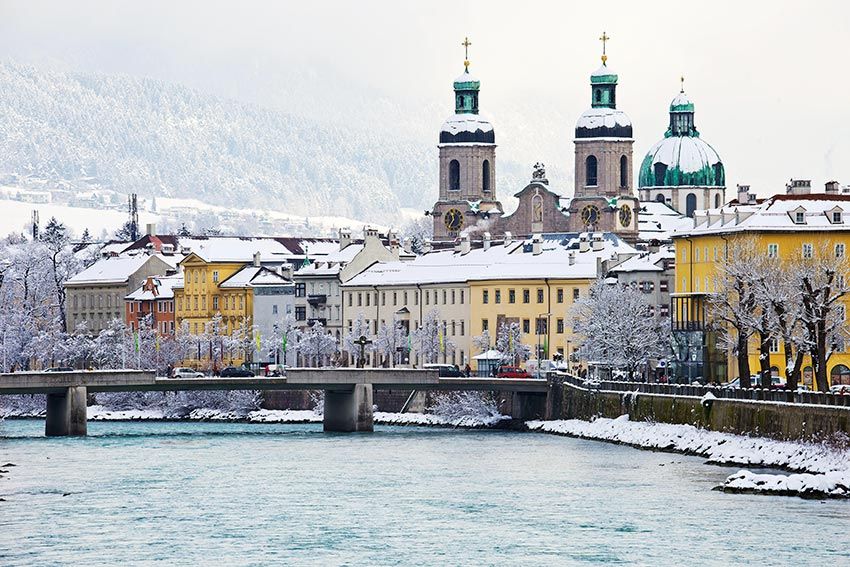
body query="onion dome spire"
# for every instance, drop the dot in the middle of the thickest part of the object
(466, 86)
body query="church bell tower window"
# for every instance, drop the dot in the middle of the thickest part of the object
(624, 172)
(590, 177)
(454, 175)
(485, 175)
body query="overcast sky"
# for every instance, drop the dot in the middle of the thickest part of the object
(769, 79)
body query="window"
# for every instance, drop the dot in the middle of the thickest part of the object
(539, 295)
(696, 255)
(576, 293)
(774, 345)
(404, 295)
(526, 325)
(454, 175)
(663, 286)
(598, 95)
(541, 325)
(690, 204)
(498, 296)
(684, 284)
(444, 298)
(461, 297)
(559, 323)
(717, 201)
(560, 295)
(215, 302)
(454, 328)
(836, 217)
(274, 309)
(647, 287)
(415, 298)
(462, 328)
(300, 313)
(453, 297)
(395, 298)
(839, 250)
(511, 296)
(660, 172)
(526, 296)
(300, 289)
(359, 299)
(590, 167)
(383, 298)
(715, 253)
(684, 254)
(485, 325)
(485, 175)
(350, 299)
(808, 250)
(215, 276)
(428, 297)
(485, 296)
(773, 250)
(624, 172)
(799, 217)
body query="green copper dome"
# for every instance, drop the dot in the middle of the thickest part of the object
(682, 158)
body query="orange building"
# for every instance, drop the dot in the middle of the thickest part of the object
(155, 298)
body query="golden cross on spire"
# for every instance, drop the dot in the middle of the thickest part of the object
(604, 39)
(682, 79)
(466, 43)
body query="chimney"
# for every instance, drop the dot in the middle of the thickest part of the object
(407, 245)
(508, 237)
(370, 235)
(743, 194)
(799, 187)
(150, 229)
(427, 246)
(654, 247)
(832, 187)
(256, 259)
(583, 244)
(344, 238)
(285, 270)
(536, 244)
(598, 243)
(465, 244)
(571, 257)
(486, 241)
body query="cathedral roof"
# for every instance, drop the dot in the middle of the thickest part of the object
(603, 122)
(467, 128)
(687, 161)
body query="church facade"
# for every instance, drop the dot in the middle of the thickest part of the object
(603, 194)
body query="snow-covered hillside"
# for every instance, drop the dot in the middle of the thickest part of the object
(160, 139)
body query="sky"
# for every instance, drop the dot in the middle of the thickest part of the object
(768, 79)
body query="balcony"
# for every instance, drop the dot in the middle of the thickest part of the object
(316, 299)
(311, 321)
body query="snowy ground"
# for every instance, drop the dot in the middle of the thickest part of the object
(824, 468)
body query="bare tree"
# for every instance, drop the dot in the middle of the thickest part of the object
(509, 342)
(390, 342)
(316, 345)
(430, 338)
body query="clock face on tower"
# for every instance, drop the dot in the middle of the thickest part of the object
(590, 214)
(625, 215)
(453, 219)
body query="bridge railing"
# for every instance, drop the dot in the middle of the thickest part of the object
(750, 394)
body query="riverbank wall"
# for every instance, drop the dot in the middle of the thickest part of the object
(569, 399)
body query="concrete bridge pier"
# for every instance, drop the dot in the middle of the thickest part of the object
(66, 413)
(528, 405)
(350, 409)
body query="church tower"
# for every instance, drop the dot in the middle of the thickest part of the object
(467, 164)
(603, 197)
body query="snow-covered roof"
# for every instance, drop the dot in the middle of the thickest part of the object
(603, 117)
(164, 289)
(646, 261)
(690, 154)
(515, 260)
(471, 123)
(253, 276)
(467, 77)
(237, 249)
(603, 71)
(111, 270)
(657, 221)
(777, 213)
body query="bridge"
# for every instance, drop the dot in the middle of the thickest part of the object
(348, 391)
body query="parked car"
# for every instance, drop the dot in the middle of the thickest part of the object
(512, 372)
(183, 372)
(59, 369)
(445, 370)
(236, 372)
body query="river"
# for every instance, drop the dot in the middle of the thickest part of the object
(255, 494)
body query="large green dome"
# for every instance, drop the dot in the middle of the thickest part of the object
(682, 158)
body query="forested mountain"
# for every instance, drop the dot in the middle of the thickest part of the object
(156, 138)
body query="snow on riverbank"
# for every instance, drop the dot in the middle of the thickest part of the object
(825, 469)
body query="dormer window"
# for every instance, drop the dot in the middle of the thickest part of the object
(835, 215)
(799, 217)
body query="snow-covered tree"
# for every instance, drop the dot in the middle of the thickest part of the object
(316, 346)
(430, 338)
(418, 231)
(617, 327)
(509, 342)
(483, 342)
(359, 328)
(390, 342)
(282, 344)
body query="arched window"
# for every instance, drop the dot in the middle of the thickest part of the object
(840, 374)
(590, 168)
(485, 175)
(598, 95)
(660, 171)
(719, 177)
(454, 175)
(660, 198)
(690, 204)
(717, 201)
(624, 172)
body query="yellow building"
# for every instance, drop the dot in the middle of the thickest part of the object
(788, 228)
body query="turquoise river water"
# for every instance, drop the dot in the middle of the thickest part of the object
(254, 494)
